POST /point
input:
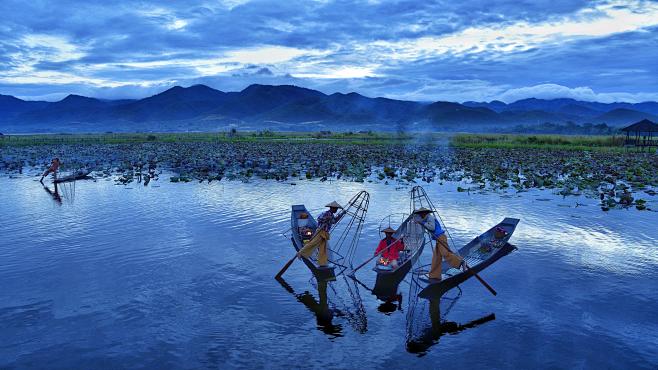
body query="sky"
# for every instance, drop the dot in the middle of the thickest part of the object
(414, 50)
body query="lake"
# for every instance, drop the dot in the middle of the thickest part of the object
(181, 276)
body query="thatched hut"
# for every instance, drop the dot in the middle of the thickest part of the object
(641, 134)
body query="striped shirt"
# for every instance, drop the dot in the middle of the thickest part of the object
(325, 220)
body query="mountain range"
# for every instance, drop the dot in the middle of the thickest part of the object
(285, 107)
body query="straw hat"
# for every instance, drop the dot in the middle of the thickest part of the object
(423, 209)
(388, 230)
(334, 204)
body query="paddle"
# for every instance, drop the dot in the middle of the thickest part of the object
(489, 288)
(373, 257)
(285, 267)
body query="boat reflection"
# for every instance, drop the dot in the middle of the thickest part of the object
(330, 306)
(54, 194)
(389, 295)
(421, 336)
(390, 304)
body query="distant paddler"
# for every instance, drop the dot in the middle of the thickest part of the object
(390, 248)
(441, 251)
(321, 238)
(54, 166)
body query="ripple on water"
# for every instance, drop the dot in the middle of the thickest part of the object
(180, 275)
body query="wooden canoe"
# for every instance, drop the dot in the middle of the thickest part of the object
(388, 278)
(80, 175)
(302, 234)
(479, 254)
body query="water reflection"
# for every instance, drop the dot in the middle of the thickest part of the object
(53, 193)
(421, 335)
(391, 304)
(390, 297)
(336, 300)
(323, 313)
(158, 277)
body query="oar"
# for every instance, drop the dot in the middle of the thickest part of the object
(285, 267)
(489, 288)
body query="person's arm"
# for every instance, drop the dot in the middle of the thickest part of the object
(380, 246)
(400, 245)
(429, 223)
(323, 218)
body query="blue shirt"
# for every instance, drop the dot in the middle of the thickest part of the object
(431, 224)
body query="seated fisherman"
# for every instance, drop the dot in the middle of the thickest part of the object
(441, 250)
(391, 248)
(321, 238)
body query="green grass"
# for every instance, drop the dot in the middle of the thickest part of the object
(260, 136)
(555, 142)
(506, 141)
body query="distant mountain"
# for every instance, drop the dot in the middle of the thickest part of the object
(446, 115)
(10, 107)
(287, 107)
(623, 116)
(71, 109)
(566, 106)
(177, 103)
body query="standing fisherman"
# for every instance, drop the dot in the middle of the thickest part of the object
(321, 237)
(441, 250)
(54, 166)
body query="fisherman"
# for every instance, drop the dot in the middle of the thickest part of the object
(54, 166)
(441, 250)
(321, 238)
(395, 246)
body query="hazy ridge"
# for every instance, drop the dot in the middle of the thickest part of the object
(285, 107)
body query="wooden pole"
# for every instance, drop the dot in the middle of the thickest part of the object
(371, 258)
(484, 283)
(285, 267)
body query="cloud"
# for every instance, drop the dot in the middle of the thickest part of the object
(267, 54)
(602, 20)
(433, 50)
(553, 91)
(339, 72)
(177, 24)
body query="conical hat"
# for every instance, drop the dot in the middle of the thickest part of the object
(422, 209)
(334, 204)
(388, 230)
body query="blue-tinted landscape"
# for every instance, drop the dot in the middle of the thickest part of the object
(254, 184)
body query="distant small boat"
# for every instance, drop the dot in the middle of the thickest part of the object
(388, 277)
(80, 175)
(303, 229)
(479, 254)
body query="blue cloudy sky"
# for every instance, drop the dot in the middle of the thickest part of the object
(417, 50)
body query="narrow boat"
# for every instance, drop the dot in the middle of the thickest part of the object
(80, 175)
(303, 229)
(479, 254)
(389, 277)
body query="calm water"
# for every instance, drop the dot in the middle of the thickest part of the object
(181, 276)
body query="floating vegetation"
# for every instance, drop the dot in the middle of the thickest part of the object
(616, 177)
